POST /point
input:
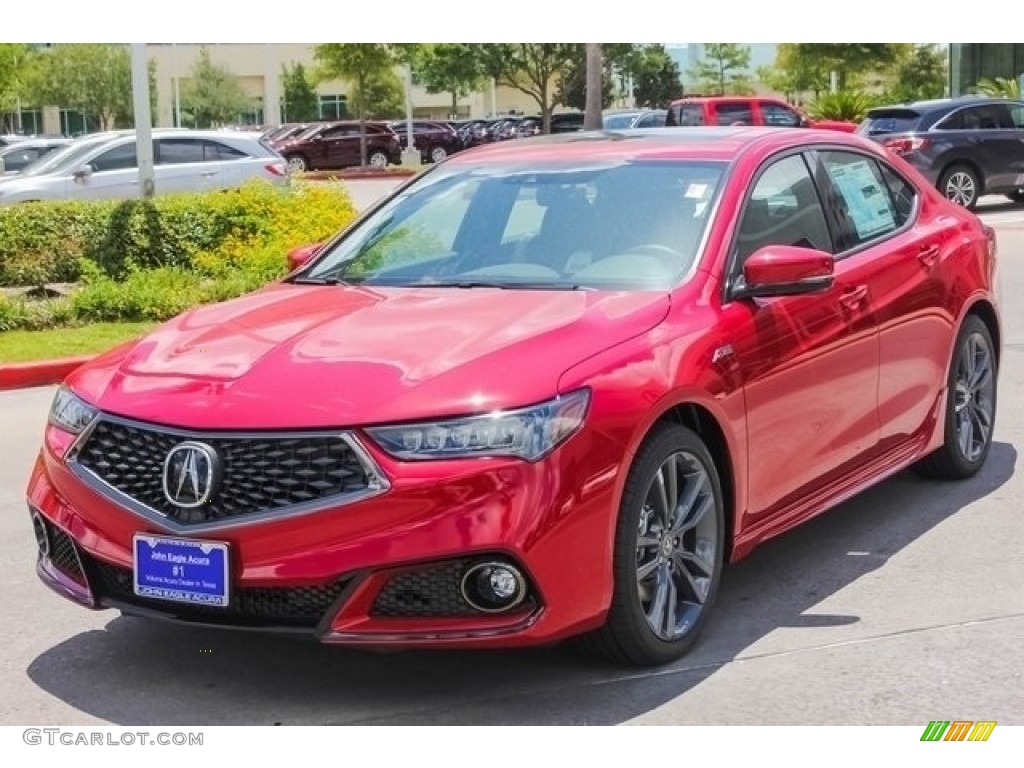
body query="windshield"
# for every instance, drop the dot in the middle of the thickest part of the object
(605, 226)
(64, 159)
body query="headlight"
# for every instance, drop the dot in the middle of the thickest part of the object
(70, 413)
(526, 433)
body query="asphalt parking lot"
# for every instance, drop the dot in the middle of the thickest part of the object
(902, 606)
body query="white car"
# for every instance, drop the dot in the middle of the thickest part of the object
(104, 166)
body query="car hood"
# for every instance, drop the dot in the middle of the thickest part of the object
(325, 356)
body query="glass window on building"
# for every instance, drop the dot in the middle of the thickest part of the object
(253, 115)
(333, 107)
(74, 123)
(972, 62)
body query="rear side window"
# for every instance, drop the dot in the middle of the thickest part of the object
(890, 121)
(733, 114)
(987, 117)
(904, 195)
(861, 202)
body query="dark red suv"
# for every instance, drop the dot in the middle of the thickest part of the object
(745, 110)
(434, 140)
(336, 145)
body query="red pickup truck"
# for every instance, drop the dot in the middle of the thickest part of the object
(745, 110)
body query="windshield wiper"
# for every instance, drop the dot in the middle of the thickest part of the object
(315, 281)
(503, 286)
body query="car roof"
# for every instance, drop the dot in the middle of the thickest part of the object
(698, 143)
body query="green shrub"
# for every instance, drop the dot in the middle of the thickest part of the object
(842, 105)
(23, 314)
(46, 242)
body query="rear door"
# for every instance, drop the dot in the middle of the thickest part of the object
(185, 165)
(905, 286)
(986, 135)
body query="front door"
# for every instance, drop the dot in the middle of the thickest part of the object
(808, 364)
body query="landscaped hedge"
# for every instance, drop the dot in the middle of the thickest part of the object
(150, 260)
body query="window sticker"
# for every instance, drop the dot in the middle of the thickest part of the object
(868, 205)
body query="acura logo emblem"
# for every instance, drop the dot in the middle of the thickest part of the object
(191, 472)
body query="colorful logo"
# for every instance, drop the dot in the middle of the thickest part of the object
(958, 730)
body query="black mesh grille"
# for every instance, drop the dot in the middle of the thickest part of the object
(63, 552)
(259, 474)
(430, 591)
(251, 607)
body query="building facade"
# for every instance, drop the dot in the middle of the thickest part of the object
(971, 62)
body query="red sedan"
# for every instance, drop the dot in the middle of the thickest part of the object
(546, 390)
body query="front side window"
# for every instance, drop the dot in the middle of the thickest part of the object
(778, 115)
(621, 226)
(117, 159)
(862, 202)
(783, 209)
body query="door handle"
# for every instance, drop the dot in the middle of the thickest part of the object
(929, 255)
(852, 298)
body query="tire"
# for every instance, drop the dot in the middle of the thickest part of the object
(971, 403)
(438, 154)
(1017, 197)
(689, 564)
(377, 159)
(297, 163)
(960, 184)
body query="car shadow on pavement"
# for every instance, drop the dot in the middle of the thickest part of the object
(141, 672)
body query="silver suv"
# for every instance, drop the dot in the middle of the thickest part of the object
(104, 166)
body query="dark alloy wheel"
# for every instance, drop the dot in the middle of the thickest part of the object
(970, 406)
(668, 551)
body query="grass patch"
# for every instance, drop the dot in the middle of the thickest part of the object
(28, 346)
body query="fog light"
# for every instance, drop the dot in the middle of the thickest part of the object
(493, 587)
(42, 536)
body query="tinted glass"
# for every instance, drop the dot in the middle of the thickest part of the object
(1017, 114)
(783, 209)
(890, 121)
(686, 114)
(116, 159)
(732, 114)
(181, 151)
(63, 160)
(904, 196)
(615, 227)
(15, 159)
(618, 122)
(862, 204)
(650, 120)
(990, 117)
(778, 115)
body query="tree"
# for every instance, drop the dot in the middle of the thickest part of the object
(531, 68)
(803, 67)
(213, 96)
(359, 64)
(95, 78)
(656, 77)
(14, 62)
(595, 87)
(301, 102)
(1001, 87)
(384, 96)
(921, 74)
(572, 82)
(724, 68)
(448, 68)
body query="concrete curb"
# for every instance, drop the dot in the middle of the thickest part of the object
(38, 373)
(350, 175)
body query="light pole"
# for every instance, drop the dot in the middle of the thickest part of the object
(143, 120)
(177, 86)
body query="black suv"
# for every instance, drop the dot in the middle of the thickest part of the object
(967, 147)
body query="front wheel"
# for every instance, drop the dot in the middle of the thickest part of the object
(970, 407)
(668, 556)
(961, 185)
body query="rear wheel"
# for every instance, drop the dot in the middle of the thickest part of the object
(668, 554)
(297, 163)
(961, 184)
(437, 154)
(378, 159)
(970, 407)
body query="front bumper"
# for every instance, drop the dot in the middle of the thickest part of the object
(384, 571)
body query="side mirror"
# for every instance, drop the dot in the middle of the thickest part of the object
(297, 257)
(786, 270)
(82, 172)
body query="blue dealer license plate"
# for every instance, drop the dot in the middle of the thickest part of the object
(182, 570)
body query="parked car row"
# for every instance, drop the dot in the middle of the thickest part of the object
(105, 166)
(15, 156)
